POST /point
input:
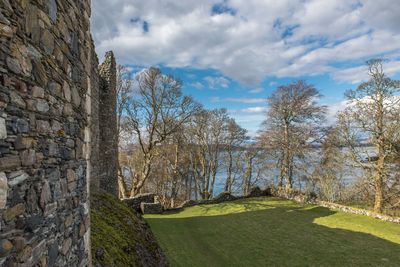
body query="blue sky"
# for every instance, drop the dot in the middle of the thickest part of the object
(234, 53)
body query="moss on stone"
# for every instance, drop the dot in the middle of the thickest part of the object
(120, 237)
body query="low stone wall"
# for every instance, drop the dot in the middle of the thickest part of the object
(222, 197)
(311, 198)
(151, 208)
(296, 195)
(226, 196)
(358, 211)
(258, 192)
(135, 202)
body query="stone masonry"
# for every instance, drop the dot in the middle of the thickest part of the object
(108, 142)
(51, 95)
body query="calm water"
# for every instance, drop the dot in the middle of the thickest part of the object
(269, 174)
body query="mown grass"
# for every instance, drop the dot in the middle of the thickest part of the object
(274, 232)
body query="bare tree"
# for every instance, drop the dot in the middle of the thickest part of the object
(249, 157)
(157, 110)
(208, 130)
(235, 136)
(328, 175)
(124, 94)
(217, 129)
(373, 114)
(293, 120)
(175, 153)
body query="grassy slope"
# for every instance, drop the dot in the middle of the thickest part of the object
(274, 232)
(120, 237)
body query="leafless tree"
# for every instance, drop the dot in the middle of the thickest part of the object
(235, 136)
(373, 114)
(293, 121)
(328, 174)
(250, 155)
(156, 111)
(124, 87)
(208, 131)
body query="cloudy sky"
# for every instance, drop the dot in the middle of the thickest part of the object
(234, 53)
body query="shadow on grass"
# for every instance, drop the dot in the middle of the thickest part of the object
(268, 235)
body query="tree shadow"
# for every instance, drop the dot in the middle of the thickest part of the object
(282, 235)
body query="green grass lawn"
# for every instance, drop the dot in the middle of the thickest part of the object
(274, 232)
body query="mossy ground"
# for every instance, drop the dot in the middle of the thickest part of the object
(270, 231)
(120, 237)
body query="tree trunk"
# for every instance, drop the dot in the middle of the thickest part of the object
(123, 190)
(380, 165)
(214, 173)
(379, 177)
(248, 174)
(378, 205)
(286, 158)
(228, 183)
(142, 176)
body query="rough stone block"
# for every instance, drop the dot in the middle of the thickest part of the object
(66, 246)
(47, 41)
(13, 212)
(9, 162)
(5, 247)
(28, 157)
(151, 208)
(37, 92)
(3, 190)
(52, 7)
(45, 195)
(135, 202)
(21, 125)
(17, 178)
(43, 126)
(21, 143)
(3, 129)
(42, 105)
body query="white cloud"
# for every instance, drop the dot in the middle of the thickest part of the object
(244, 100)
(254, 110)
(197, 85)
(256, 90)
(215, 99)
(249, 121)
(262, 39)
(359, 74)
(217, 82)
(382, 18)
(333, 109)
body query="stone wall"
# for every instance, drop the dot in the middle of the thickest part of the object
(134, 202)
(49, 131)
(348, 209)
(108, 138)
(311, 198)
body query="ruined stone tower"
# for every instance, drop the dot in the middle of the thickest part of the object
(51, 138)
(108, 143)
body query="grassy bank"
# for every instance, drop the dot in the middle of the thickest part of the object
(274, 232)
(120, 237)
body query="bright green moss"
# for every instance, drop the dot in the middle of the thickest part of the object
(119, 236)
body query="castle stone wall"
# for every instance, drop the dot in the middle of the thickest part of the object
(49, 131)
